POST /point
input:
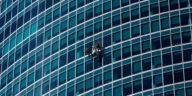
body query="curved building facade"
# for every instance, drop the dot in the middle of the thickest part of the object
(95, 47)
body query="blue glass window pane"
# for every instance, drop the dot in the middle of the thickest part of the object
(80, 69)
(80, 34)
(115, 4)
(188, 75)
(71, 54)
(32, 44)
(135, 31)
(156, 43)
(116, 37)
(17, 71)
(179, 92)
(107, 58)
(24, 66)
(175, 21)
(146, 64)
(40, 23)
(88, 84)
(45, 87)
(38, 74)
(62, 60)
(55, 30)
(107, 76)
(137, 86)
(48, 3)
(117, 73)
(176, 38)
(107, 40)
(186, 36)
(157, 80)
(72, 21)
(116, 20)
(164, 6)
(70, 91)
(168, 78)
(31, 61)
(136, 67)
(62, 78)
(177, 57)
(178, 76)
(72, 5)
(79, 88)
(37, 91)
(55, 47)
(34, 12)
(135, 14)
(126, 52)
(144, 11)
(155, 26)
(116, 55)
(165, 41)
(156, 61)
(47, 34)
(136, 49)
(97, 10)
(183, 3)
(54, 82)
(154, 8)
(145, 28)
(54, 65)
(165, 23)
(89, 13)
(107, 6)
(106, 23)
(63, 26)
(71, 39)
(125, 34)
(147, 83)
(63, 43)
(80, 3)
(64, 9)
(22, 83)
(167, 59)
(16, 88)
(173, 4)
(187, 55)
(46, 69)
(80, 18)
(48, 18)
(89, 31)
(127, 70)
(30, 79)
(26, 33)
(127, 89)
(71, 74)
(56, 14)
(146, 46)
(41, 6)
(108, 92)
(47, 51)
(80, 52)
(97, 80)
(117, 91)
(88, 66)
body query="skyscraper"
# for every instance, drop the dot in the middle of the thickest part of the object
(95, 47)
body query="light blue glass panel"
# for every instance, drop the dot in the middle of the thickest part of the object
(26, 33)
(33, 27)
(12, 44)
(19, 37)
(6, 48)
